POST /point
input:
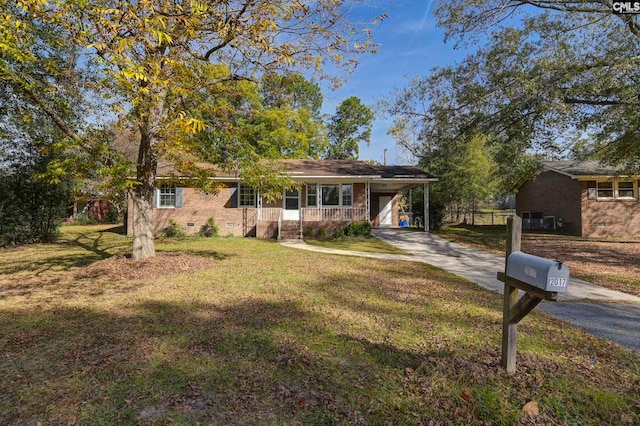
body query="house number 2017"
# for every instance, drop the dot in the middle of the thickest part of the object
(557, 282)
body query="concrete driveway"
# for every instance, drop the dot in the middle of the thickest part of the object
(605, 313)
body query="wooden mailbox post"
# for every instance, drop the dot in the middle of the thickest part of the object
(515, 310)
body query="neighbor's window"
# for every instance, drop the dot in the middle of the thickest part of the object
(167, 196)
(246, 196)
(625, 189)
(312, 194)
(347, 195)
(605, 189)
(330, 195)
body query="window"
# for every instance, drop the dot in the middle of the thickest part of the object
(625, 189)
(334, 195)
(312, 194)
(605, 189)
(246, 196)
(330, 195)
(167, 196)
(347, 195)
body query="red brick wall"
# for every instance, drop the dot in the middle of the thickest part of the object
(610, 218)
(561, 196)
(198, 207)
(359, 195)
(553, 194)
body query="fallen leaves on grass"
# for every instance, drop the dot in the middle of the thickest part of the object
(162, 265)
(615, 265)
(531, 408)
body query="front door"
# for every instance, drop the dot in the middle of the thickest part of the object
(291, 205)
(386, 217)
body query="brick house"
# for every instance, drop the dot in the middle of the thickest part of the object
(332, 193)
(584, 198)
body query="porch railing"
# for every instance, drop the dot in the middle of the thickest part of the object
(335, 214)
(270, 214)
(314, 214)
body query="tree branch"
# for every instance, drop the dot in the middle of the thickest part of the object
(23, 85)
(592, 102)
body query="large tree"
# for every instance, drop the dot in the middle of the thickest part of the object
(550, 73)
(350, 125)
(155, 56)
(285, 122)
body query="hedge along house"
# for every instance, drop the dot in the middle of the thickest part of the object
(331, 194)
(584, 198)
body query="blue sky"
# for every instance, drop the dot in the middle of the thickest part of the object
(410, 44)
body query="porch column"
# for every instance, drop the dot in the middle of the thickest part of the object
(426, 206)
(368, 200)
(259, 206)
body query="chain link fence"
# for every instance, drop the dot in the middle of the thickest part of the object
(479, 217)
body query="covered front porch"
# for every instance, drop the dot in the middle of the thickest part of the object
(305, 209)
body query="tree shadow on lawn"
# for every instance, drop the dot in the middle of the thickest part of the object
(250, 362)
(61, 256)
(246, 363)
(117, 229)
(238, 364)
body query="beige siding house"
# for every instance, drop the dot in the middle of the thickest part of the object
(331, 194)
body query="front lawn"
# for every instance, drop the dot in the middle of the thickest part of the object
(611, 264)
(230, 331)
(362, 244)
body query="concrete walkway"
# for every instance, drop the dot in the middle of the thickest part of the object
(609, 314)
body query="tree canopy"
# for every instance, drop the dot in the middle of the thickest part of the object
(551, 73)
(350, 125)
(547, 79)
(286, 120)
(156, 60)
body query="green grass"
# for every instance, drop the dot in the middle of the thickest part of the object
(273, 335)
(362, 244)
(486, 237)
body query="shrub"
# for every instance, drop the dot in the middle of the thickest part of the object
(323, 233)
(308, 232)
(30, 209)
(113, 215)
(210, 229)
(340, 233)
(83, 218)
(436, 215)
(358, 229)
(174, 230)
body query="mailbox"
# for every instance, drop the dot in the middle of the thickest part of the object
(549, 275)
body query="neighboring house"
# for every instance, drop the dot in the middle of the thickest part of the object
(584, 198)
(332, 193)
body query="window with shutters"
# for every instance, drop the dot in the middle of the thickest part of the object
(167, 196)
(246, 196)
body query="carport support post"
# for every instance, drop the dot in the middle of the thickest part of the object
(509, 329)
(426, 206)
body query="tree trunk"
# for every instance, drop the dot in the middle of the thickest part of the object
(142, 195)
(143, 244)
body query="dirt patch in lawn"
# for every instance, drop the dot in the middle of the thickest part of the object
(614, 265)
(162, 265)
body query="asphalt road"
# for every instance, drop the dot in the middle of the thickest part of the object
(616, 322)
